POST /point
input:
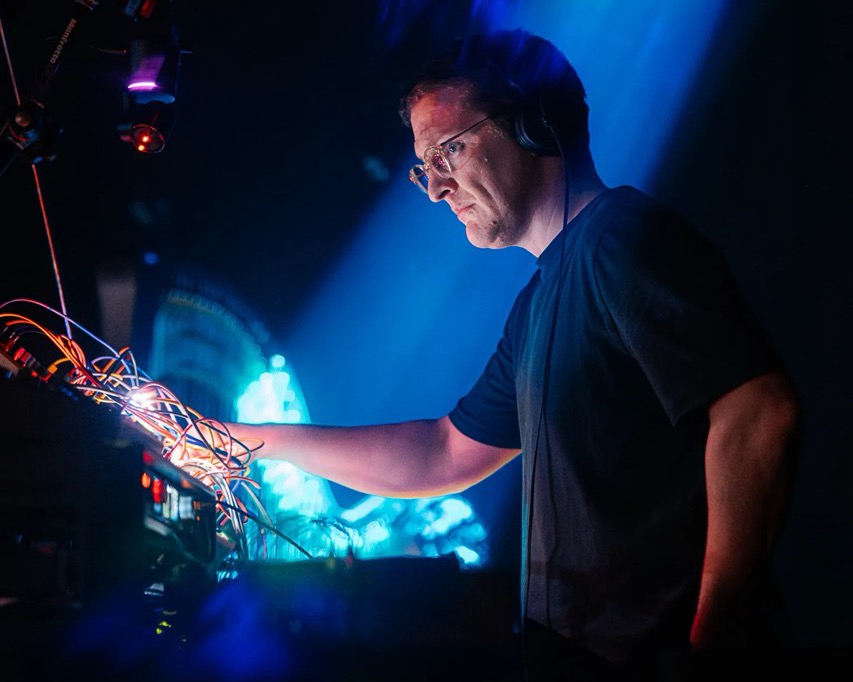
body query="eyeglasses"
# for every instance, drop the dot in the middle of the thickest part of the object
(437, 159)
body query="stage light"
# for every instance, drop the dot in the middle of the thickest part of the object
(147, 139)
(147, 127)
(141, 85)
(153, 64)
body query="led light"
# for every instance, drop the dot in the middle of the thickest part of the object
(148, 126)
(142, 86)
(154, 66)
(147, 138)
(158, 494)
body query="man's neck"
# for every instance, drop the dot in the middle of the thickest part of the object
(583, 187)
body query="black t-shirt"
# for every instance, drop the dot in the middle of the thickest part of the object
(630, 328)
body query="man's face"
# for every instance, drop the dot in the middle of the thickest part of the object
(490, 188)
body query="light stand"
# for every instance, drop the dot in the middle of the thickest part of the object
(29, 131)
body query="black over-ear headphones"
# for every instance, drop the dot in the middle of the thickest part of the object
(533, 130)
(528, 115)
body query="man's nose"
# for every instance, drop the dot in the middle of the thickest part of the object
(440, 187)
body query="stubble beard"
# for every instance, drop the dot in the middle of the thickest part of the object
(493, 236)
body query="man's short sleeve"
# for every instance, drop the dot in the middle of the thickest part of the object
(678, 310)
(488, 413)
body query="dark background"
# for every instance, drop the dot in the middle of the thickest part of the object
(280, 104)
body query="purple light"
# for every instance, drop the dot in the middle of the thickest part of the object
(142, 85)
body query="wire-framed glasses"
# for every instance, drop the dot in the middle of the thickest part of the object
(438, 159)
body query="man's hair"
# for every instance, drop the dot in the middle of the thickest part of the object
(511, 72)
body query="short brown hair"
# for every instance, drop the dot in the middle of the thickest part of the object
(510, 71)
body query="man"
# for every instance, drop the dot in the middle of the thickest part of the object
(652, 415)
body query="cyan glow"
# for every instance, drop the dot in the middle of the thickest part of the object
(467, 556)
(274, 397)
(369, 504)
(453, 511)
(303, 506)
(375, 532)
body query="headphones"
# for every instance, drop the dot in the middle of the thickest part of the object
(533, 130)
(528, 113)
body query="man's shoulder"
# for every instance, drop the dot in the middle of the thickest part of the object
(629, 203)
(628, 214)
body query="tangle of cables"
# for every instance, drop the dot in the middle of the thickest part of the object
(201, 447)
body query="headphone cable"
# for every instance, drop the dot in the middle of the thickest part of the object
(545, 384)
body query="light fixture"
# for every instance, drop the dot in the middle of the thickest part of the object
(154, 65)
(154, 60)
(147, 126)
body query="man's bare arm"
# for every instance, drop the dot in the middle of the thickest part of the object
(746, 476)
(406, 459)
